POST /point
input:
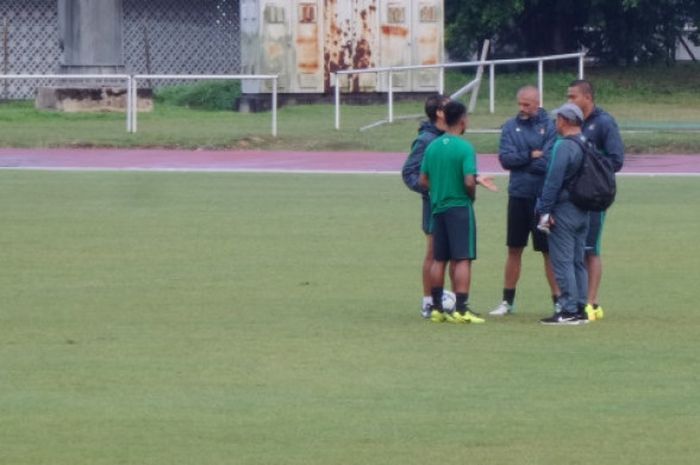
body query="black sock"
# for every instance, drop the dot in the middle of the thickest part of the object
(509, 295)
(436, 292)
(555, 299)
(461, 304)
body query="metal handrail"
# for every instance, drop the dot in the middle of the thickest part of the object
(132, 87)
(463, 64)
(442, 66)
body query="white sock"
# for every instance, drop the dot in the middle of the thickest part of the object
(427, 300)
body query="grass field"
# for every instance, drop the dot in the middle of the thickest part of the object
(665, 101)
(158, 318)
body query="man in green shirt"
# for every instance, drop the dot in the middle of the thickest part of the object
(449, 172)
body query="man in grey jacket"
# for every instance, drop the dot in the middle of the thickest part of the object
(600, 128)
(525, 142)
(566, 223)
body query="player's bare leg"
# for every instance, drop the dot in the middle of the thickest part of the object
(595, 273)
(513, 267)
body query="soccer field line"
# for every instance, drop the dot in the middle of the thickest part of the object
(285, 171)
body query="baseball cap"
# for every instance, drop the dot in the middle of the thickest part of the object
(570, 112)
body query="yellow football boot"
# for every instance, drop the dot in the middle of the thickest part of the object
(437, 317)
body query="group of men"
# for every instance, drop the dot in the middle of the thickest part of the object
(543, 155)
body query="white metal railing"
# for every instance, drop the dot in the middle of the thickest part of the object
(441, 83)
(132, 87)
(83, 77)
(133, 102)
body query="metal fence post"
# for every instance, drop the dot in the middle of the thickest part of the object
(492, 88)
(337, 100)
(441, 81)
(134, 105)
(580, 65)
(128, 104)
(391, 96)
(274, 107)
(540, 81)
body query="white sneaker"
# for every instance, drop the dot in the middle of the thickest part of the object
(502, 310)
(425, 310)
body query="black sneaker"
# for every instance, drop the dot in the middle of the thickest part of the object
(564, 319)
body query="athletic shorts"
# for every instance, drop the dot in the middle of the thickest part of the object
(454, 234)
(595, 232)
(427, 216)
(522, 222)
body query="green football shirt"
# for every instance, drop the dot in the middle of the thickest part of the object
(446, 161)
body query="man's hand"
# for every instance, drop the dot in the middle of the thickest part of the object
(546, 223)
(536, 153)
(487, 182)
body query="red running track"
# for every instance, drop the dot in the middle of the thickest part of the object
(225, 160)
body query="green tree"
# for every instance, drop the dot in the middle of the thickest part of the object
(630, 31)
(469, 23)
(619, 31)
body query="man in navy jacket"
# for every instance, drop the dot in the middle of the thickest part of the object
(524, 149)
(600, 128)
(427, 132)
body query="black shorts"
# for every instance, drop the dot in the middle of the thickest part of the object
(522, 222)
(595, 232)
(427, 223)
(454, 234)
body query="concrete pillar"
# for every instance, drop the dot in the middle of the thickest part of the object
(91, 36)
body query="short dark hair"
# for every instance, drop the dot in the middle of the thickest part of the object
(584, 86)
(454, 111)
(433, 104)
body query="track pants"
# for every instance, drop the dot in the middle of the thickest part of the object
(567, 243)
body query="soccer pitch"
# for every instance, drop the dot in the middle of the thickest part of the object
(190, 318)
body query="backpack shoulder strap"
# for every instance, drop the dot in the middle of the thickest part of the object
(579, 168)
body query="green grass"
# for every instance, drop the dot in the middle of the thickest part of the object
(665, 101)
(158, 318)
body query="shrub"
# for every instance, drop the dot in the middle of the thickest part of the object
(209, 95)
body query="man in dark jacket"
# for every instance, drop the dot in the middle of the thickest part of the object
(428, 132)
(566, 223)
(600, 128)
(525, 142)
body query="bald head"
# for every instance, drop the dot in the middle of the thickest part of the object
(528, 102)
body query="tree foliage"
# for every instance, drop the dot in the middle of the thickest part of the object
(618, 31)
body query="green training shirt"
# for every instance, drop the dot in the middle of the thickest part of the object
(446, 161)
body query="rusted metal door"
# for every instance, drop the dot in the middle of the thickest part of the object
(366, 41)
(395, 40)
(276, 41)
(350, 42)
(309, 53)
(427, 42)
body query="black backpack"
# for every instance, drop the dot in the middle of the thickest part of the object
(593, 187)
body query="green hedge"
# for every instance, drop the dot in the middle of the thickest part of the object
(211, 95)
